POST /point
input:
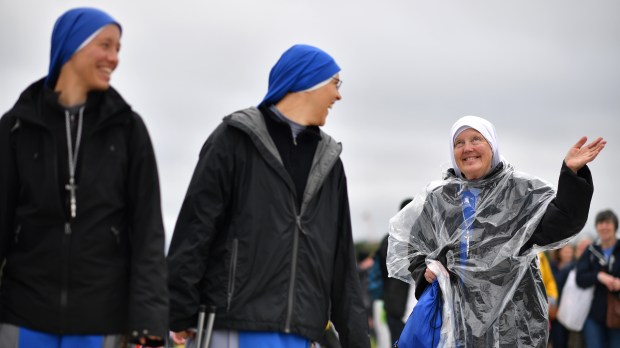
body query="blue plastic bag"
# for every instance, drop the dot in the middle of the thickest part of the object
(424, 324)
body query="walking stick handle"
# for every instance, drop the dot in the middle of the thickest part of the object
(201, 323)
(209, 330)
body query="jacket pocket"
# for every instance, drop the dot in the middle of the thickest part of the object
(119, 244)
(232, 273)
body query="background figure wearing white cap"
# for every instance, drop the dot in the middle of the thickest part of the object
(264, 233)
(486, 223)
(81, 232)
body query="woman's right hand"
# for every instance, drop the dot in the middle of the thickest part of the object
(611, 283)
(180, 337)
(580, 155)
(429, 275)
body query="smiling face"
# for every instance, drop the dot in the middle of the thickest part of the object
(567, 253)
(321, 100)
(93, 65)
(606, 230)
(472, 154)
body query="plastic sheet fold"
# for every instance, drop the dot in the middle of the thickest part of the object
(493, 296)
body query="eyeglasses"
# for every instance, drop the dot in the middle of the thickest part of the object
(474, 141)
(338, 82)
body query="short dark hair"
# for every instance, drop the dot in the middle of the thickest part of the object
(607, 215)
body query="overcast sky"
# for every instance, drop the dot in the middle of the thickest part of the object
(544, 72)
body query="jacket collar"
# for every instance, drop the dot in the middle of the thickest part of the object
(267, 112)
(327, 153)
(35, 101)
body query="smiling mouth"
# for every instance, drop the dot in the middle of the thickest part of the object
(106, 71)
(470, 159)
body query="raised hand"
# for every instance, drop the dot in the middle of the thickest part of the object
(579, 155)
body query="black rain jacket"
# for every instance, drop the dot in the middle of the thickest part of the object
(589, 265)
(102, 272)
(241, 244)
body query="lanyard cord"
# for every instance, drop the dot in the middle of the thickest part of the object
(73, 155)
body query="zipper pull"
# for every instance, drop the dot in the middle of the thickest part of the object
(116, 234)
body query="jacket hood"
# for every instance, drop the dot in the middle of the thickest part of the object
(328, 151)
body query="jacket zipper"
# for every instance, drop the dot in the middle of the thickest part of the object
(291, 286)
(231, 273)
(18, 230)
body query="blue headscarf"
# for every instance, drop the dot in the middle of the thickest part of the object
(299, 68)
(70, 31)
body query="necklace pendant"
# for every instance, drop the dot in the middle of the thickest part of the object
(73, 207)
(72, 187)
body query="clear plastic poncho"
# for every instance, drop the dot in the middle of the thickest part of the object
(492, 291)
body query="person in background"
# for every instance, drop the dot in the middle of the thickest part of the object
(485, 223)
(581, 246)
(81, 232)
(395, 291)
(264, 233)
(551, 287)
(598, 266)
(564, 262)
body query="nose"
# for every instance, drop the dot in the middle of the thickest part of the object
(338, 95)
(113, 57)
(468, 146)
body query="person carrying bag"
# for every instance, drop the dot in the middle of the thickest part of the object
(599, 267)
(424, 324)
(574, 304)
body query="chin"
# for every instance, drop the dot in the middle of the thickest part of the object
(471, 174)
(101, 87)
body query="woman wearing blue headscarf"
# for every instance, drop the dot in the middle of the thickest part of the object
(81, 231)
(478, 231)
(264, 233)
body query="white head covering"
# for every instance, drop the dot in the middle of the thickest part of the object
(485, 128)
(320, 84)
